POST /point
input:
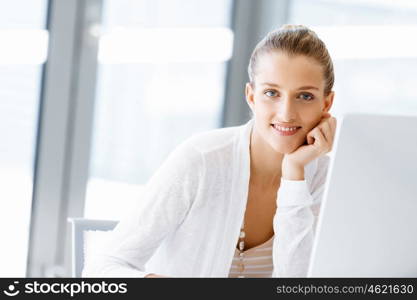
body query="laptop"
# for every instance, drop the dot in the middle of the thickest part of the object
(367, 225)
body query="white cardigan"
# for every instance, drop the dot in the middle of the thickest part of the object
(188, 222)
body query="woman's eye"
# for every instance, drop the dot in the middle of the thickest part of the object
(307, 97)
(270, 93)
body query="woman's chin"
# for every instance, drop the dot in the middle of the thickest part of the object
(283, 149)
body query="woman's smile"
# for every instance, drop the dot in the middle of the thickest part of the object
(285, 131)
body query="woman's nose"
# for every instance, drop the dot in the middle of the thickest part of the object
(286, 109)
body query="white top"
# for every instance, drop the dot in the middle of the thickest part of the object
(255, 262)
(188, 222)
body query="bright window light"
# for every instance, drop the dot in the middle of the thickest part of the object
(23, 46)
(369, 42)
(162, 45)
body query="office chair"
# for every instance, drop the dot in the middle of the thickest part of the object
(78, 227)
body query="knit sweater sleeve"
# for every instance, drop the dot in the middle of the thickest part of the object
(168, 196)
(295, 221)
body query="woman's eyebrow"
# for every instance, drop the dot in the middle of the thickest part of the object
(307, 87)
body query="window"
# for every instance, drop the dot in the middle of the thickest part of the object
(373, 48)
(23, 51)
(162, 67)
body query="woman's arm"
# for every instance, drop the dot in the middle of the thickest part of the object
(295, 222)
(167, 198)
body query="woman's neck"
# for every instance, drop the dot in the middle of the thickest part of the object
(265, 163)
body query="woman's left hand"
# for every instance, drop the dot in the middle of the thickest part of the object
(319, 142)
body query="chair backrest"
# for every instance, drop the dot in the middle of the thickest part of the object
(78, 227)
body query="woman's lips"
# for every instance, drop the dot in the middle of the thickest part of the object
(285, 133)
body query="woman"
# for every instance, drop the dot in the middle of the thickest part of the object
(240, 201)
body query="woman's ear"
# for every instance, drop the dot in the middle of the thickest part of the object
(249, 92)
(328, 101)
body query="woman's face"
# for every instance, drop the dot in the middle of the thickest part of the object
(287, 91)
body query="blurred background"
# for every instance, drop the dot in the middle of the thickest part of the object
(95, 94)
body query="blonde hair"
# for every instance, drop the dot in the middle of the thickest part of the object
(295, 40)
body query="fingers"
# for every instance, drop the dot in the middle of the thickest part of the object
(323, 142)
(318, 137)
(326, 115)
(333, 124)
(322, 136)
(328, 127)
(310, 138)
(327, 132)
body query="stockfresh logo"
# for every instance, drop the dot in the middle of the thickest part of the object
(12, 290)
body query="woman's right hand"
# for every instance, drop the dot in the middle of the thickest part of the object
(155, 276)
